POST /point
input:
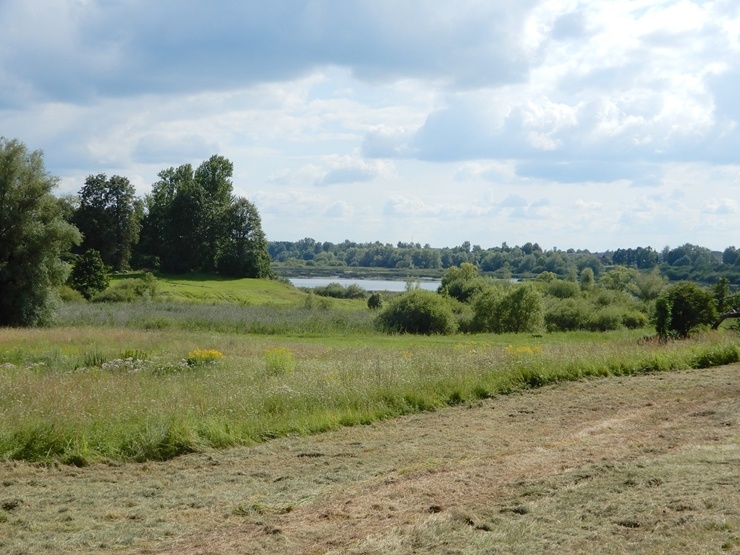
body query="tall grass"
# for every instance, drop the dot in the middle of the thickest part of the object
(86, 394)
(221, 318)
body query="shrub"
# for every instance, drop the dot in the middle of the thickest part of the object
(338, 291)
(69, 295)
(606, 319)
(564, 289)
(418, 311)
(375, 301)
(682, 308)
(486, 310)
(521, 310)
(517, 310)
(633, 319)
(129, 290)
(89, 275)
(568, 315)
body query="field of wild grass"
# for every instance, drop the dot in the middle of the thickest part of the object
(153, 381)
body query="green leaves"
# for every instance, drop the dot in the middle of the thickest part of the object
(33, 236)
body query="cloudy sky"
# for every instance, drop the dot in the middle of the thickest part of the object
(584, 124)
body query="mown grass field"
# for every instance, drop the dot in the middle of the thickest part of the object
(200, 373)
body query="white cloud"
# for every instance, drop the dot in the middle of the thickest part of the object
(455, 121)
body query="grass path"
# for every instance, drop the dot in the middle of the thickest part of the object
(645, 464)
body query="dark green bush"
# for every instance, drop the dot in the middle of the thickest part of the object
(418, 311)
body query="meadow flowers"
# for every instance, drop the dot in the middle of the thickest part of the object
(199, 357)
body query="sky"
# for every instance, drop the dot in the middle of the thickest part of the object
(570, 123)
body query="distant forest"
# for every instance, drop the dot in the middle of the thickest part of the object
(686, 262)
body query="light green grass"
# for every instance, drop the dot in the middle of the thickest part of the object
(80, 394)
(209, 288)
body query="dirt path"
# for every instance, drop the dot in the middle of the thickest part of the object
(648, 464)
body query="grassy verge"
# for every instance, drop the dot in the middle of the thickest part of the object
(82, 394)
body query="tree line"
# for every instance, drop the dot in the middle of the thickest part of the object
(685, 262)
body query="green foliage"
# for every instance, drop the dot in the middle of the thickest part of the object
(242, 249)
(563, 289)
(129, 290)
(722, 295)
(109, 217)
(522, 309)
(375, 301)
(33, 236)
(338, 291)
(568, 314)
(587, 279)
(69, 295)
(90, 274)
(682, 308)
(418, 311)
(463, 282)
(515, 310)
(647, 286)
(193, 223)
(486, 309)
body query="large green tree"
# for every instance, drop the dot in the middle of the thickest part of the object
(194, 223)
(109, 217)
(33, 236)
(242, 249)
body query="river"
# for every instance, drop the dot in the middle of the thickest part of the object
(367, 284)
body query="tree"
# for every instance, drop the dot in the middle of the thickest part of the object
(109, 217)
(242, 251)
(193, 223)
(33, 236)
(682, 308)
(90, 275)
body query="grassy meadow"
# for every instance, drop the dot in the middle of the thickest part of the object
(222, 363)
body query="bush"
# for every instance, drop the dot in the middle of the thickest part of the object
(69, 295)
(633, 319)
(129, 290)
(521, 310)
(418, 311)
(517, 310)
(338, 291)
(486, 310)
(375, 301)
(564, 289)
(682, 308)
(90, 275)
(606, 319)
(568, 315)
